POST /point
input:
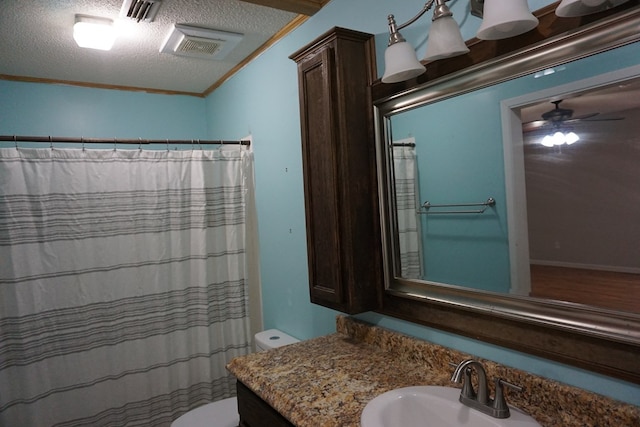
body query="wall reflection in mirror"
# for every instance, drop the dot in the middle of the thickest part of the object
(582, 194)
(451, 168)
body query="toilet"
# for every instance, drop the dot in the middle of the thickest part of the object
(224, 413)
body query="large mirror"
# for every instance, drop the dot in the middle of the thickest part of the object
(577, 232)
(483, 219)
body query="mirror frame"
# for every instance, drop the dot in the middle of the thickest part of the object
(599, 340)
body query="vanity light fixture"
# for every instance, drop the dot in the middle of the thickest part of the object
(500, 19)
(570, 8)
(93, 32)
(401, 62)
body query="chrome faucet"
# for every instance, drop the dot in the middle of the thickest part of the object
(480, 400)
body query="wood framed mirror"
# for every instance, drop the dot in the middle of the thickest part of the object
(599, 339)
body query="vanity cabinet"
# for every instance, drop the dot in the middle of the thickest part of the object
(255, 412)
(341, 199)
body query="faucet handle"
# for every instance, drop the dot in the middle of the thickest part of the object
(499, 402)
(510, 385)
(467, 385)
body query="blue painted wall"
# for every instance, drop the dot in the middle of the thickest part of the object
(262, 100)
(41, 110)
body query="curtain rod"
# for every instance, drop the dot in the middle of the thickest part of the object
(52, 139)
(404, 144)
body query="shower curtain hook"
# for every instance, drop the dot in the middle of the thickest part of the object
(167, 145)
(82, 141)
(114, 144)
(15, 141)
(140, 143)
(50, 142)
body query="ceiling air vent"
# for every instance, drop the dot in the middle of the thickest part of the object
(199, 46)
(140, 10)
(197, 42)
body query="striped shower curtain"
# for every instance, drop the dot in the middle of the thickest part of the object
(123, 290)
(405, 169)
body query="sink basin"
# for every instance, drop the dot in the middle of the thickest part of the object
(432, 406)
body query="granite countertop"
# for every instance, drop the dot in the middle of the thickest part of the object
(327, 381)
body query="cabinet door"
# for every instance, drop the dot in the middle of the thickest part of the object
(338, 149)
(255, 412)
(319, 151)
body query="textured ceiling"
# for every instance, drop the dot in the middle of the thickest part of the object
(36, 42)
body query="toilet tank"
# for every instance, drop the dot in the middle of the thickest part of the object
(273, 338)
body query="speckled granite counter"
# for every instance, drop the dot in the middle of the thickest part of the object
(327, 381)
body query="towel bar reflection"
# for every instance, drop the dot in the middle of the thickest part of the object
(426, 206)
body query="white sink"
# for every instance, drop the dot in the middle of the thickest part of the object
(432, 406)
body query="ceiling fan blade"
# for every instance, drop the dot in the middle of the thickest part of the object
(582, 117)
(534, 125)
(603, 119)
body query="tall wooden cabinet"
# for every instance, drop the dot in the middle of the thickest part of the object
(341, 199)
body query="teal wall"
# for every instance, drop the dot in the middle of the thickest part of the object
(262, 100)
(41, 110)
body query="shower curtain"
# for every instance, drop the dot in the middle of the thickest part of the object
(123, 290)
(405, 169)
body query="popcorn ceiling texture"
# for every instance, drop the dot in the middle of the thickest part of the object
(36, 40)
(327, 381)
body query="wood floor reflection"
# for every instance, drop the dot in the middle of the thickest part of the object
(606, 289)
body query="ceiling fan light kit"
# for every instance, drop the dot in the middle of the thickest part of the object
(559, 138)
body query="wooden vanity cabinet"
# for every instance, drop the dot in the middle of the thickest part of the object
(339, 162)
(255, 412)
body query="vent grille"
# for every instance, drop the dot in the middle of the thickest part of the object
(140, 10)
(199, 45)
(198, 42)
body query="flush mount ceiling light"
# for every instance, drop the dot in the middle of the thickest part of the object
(93, 32)
(500, 19)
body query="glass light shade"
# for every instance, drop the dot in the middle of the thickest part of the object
(558, 138)
(571, 137)
(94, 33)
(445, 39)
(502, 19)
(547, 141)
(401, 63)
(570, 8)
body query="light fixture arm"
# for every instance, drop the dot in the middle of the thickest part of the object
(424, 10)
(441, 10)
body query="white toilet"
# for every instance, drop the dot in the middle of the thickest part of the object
(224, 413)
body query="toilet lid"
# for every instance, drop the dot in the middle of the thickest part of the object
(223, 413)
